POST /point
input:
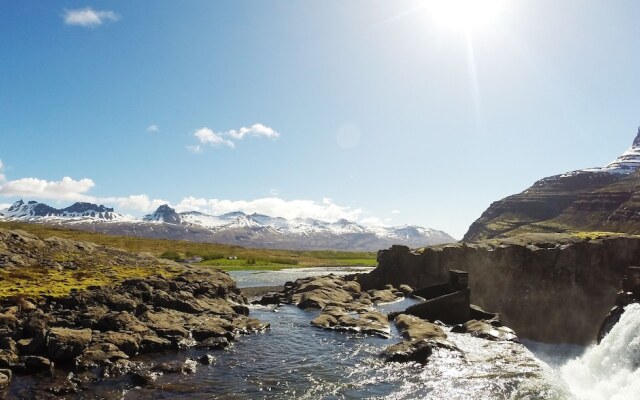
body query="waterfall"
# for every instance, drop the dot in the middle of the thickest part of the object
(609, 371)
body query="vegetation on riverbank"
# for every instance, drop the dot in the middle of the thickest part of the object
(218, 255)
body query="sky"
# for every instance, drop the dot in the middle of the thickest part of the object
(383, 112)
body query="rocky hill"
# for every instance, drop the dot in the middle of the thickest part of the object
(68, 306)
(548, 287)
(594, 199)
(234, 228)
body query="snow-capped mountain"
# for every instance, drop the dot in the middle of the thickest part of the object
(625, 164)
(35, 212)
(255, 230)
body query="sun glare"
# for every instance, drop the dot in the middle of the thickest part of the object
(465, 15)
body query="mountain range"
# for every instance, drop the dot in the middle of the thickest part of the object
(592, 199)
(236, 228)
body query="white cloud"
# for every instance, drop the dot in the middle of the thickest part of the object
(255, 130)
(395, 211)
(375, 221)
(65, 189)
(88, 17)
(273, 206)
(139, 202)
(153, 128)
(207, 136)
(2, 177)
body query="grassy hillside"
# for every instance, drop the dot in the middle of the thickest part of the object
(215, 254)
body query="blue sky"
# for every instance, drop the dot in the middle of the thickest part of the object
(377, 111)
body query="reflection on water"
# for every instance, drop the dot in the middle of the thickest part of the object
(275, 278)
(295, 360)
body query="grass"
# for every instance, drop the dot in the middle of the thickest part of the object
(214, 254)
(40, 281)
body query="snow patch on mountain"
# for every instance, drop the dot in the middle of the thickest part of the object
(627, 163)
(34, 211)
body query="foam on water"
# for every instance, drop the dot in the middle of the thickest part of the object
(609, 371)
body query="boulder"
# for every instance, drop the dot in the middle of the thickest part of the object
(64, 344)
(486, 330)
(414, 328)
(119, 321)
(127, 343)
(417, 350)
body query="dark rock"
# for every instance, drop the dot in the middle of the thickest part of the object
(154, 344)
(128, 343)
(485, 330)
(143, 378)
(8, 359)
(176, 367)
(121, 321)
(417, 350)
(413, 328)
(207, 359)
(35, 364)
(4, 380)
(214, 343)
(64, 344)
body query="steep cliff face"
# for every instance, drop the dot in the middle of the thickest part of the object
(550, 287)
(594, 199)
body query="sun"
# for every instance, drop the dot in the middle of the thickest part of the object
(465, 15)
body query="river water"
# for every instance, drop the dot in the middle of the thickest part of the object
(294, 360)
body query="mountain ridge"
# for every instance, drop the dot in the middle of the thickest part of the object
(592, 199)
(256, 230)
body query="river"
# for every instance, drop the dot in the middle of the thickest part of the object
(294, 360)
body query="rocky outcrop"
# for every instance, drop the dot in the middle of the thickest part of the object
(595, 199)
(551, 288)
(344, 307)
(628, 294)
(98, 332)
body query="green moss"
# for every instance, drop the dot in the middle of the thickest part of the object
(40, 281)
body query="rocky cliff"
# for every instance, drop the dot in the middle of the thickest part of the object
(594, 199)
(548, 287)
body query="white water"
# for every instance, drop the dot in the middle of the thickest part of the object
(609, 371)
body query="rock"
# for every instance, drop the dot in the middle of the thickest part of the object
(7, 343)
(37, 364)
(485, 330)
(168, 324)
(154, 344)
(7, 372)
(97, 355)
(413, 328)
(207, 359)
(405, 289)
(144, 378)
(243, 325)
(214, 343)
(64, 344)
(121, 321)
(4, 380)
(128, 343)
(383, 296)
(8, 359)
(212, 327)
(417, 350)
(338, 318)
(187, 367)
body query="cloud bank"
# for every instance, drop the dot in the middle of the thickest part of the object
(69, 189)
(326, 210)
(65, 189)
(207, 137)
(88, 17)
